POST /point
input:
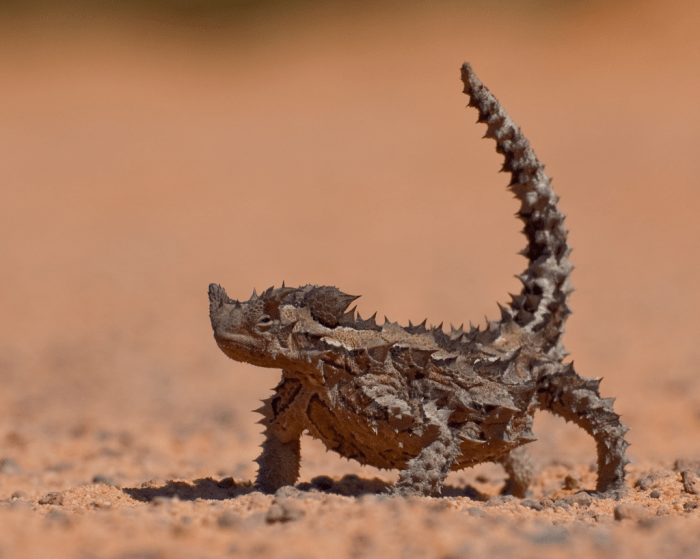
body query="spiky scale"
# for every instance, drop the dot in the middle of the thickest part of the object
(369, 324)
(421, 357)
(379, 353)
(327, 304)
(418, 328)
(348, 319)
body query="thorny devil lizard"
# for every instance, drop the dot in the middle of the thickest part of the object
(417, 399)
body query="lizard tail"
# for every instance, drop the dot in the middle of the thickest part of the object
(541, 307)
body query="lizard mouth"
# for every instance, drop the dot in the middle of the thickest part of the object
(243, 349)
(233, 342)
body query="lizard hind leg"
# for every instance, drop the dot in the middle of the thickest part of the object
(519, 468)
(564, 393)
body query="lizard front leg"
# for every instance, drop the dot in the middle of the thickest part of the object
(280, 459)
(566, 394)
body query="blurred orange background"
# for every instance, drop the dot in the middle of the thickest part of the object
(145, 153)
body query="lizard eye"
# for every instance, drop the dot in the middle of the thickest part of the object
(264, 323)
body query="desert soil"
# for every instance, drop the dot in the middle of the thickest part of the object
(144, 157)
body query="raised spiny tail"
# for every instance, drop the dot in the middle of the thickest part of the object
(541, 306)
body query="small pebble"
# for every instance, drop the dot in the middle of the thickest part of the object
(572, 482)
(655, 494)
(528, 503)
(284, 510)
(547, 503)
(647, 482)
(691, 482)
(287, 491)
(226, 483)
(663, 511)
(53, 498)
(581, 499)
(690, 506)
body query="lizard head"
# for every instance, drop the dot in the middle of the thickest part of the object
(279, 326)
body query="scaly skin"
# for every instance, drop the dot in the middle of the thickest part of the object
(417, 399)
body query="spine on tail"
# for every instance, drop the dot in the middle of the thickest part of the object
(541, 307)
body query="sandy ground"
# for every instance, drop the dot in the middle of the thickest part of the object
(143, 159)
